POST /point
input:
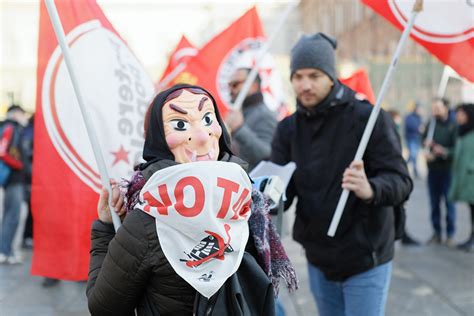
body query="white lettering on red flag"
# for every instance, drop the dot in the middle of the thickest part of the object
(237, 46)
(117, 92)
(444, 28)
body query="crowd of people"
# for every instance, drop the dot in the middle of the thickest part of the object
(349, 274)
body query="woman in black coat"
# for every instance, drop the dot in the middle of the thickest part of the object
(129, 270)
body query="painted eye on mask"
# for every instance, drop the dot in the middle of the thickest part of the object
(179, 125)
(207, 119)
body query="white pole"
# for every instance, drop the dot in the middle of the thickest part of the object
(374, 114)
(443, 84)
(173, 74)
(253, 73)
(58, 29)
(430, 133)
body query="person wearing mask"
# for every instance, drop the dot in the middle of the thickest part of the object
(349, 273)
(253, 126)
(439, 160)
(183, 235)
(462, 185)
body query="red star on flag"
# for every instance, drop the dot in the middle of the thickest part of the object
(265, 74)
(120, 155)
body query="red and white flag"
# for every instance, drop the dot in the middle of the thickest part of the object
(66, 181)
(183, 52)
(444, 28)
(237, 46)
(359, 82)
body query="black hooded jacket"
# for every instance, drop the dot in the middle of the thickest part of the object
(128, 270)
(323, 142)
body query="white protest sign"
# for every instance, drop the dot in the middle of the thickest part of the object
(201, 211)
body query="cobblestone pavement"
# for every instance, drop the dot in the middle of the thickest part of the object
(426, 280)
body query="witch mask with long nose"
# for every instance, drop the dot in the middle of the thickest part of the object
(191, 128)
(185, 126)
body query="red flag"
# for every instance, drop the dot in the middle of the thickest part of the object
(66, 180)
(360, 83)
(183, 52)
(444, 28)
(235, 47)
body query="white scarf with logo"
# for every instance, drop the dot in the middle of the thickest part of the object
(201, 211)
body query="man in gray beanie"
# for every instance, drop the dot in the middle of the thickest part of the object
(315, 51)
(350, 272)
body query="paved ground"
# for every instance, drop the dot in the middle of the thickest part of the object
(427, 280)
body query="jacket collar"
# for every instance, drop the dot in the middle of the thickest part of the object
(252, 99)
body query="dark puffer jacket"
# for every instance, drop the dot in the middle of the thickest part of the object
(128, 270)
(136, 271)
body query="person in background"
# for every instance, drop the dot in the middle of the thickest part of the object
(12, 154)
(439, 159)
(462, 185)
(253, 126)
(28, 145)
(413, 133)
(406, 239)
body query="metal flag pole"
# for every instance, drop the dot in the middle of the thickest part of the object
(253, 73)
(171, 76)
(417, 7)
(443, 84)
(61, 37)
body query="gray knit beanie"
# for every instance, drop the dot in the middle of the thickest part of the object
(314, 51)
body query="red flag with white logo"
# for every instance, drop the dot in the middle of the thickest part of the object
(360, 83)
(444, 28)
(183, 52)
(237, 46)
(66, 180)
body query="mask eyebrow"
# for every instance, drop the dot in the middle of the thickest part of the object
(201, 103)
(178, 109)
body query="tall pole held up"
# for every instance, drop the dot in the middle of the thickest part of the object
(417, 7)
(253, 73)
(61, 37)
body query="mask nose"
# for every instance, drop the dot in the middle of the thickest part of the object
(200, 137)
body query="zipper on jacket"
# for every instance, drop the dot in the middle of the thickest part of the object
(374, 258)
(374, 253)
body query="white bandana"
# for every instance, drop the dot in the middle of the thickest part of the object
(201, 211)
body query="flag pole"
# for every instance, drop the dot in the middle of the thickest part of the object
(443, 84)
(61, 37)
(173, 74)
(253, 73)
(417, 7)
